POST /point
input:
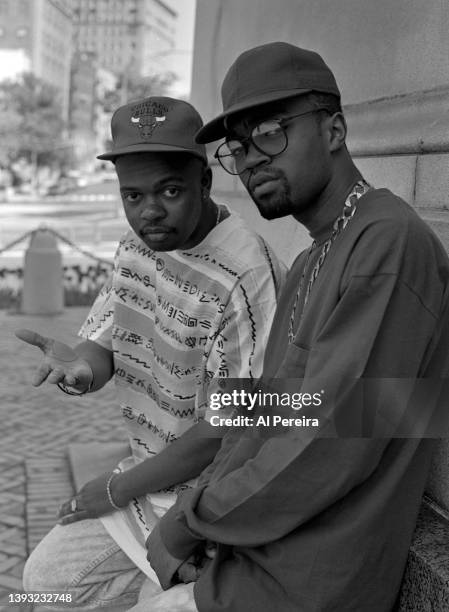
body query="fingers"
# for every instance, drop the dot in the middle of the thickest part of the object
(67, 508)
(41, 374)
(71, 380)
(210, 550)
(56, 375)
(203, 567)
(74, 517)
(32, 337)
(59, 350)
(188, 572)
(72, 511)
(48, 373)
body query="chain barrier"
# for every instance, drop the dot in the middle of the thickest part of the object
(17, 241)
(74, 246)
(60, 237)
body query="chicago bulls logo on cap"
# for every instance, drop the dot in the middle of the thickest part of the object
(155, 124)
(147, 117)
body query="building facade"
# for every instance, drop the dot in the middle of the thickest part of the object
(82, 104)
(36, 35)
(132, 36)
(113, 40)
(89, 119)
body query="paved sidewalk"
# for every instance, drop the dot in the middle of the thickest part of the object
(37, 424)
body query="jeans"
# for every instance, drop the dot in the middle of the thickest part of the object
(82, 559)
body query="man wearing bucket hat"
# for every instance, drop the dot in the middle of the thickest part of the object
(304, 517)
(189, 304)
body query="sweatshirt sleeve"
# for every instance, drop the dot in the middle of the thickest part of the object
(238, 508)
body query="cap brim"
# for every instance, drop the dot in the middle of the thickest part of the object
(215, 129)
(148, 148)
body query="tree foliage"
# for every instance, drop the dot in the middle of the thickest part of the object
(132, 87)
(31, 124)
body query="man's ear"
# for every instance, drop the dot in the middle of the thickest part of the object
(206, 179)
(336, 129)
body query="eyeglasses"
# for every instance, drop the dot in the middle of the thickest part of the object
(269, 138)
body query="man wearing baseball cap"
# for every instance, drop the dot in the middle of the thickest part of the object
(307, 518)
(189, 304)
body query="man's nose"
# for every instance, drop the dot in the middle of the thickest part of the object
(152, 210)
(254, 157)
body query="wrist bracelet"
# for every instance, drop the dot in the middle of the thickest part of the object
(67, 390)
(108, 488)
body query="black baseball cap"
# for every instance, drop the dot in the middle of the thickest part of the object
(155, 124)
(267, 73)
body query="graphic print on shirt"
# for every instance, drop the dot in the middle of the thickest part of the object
(177, 322)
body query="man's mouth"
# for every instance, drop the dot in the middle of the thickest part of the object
(265, 187)
(155, 234)
(262, 183)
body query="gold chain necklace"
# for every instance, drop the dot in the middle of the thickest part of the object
(340, 223)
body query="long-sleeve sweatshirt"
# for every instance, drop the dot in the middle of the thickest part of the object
(310, 520)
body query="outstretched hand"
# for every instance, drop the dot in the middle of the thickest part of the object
(60, 364)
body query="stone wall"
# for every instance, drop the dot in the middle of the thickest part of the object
(376, 49)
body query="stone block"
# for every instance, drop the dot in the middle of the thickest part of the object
(405, 124)
(394, 172)
(432, 181)
(439, 222)
(425, 587)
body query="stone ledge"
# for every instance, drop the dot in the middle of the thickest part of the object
(439, 222)
(432, 181)
(396, 172)
(405, 124)
(425, 587)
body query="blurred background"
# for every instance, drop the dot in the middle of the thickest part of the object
(65, 66)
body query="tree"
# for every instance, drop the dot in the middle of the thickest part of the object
(132, 87)
(31, 124)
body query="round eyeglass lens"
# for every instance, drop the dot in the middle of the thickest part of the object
(269, 137)
(227, 154)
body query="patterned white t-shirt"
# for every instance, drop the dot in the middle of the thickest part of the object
(178, 322)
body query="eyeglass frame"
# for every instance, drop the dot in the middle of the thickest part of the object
(249, 139)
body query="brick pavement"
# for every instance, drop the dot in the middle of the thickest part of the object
(36, 427)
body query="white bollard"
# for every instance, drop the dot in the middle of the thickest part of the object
(43, 291)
